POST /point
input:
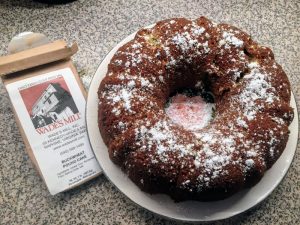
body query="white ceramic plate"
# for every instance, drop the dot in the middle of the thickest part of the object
(163, 204)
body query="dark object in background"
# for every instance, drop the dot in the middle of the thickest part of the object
(55, 1)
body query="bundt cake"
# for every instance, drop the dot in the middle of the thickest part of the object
(249, 129)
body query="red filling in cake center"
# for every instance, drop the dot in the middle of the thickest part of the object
(193, 113)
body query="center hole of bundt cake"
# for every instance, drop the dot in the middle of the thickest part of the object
(190, 108)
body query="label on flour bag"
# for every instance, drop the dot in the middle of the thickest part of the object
(51, 110)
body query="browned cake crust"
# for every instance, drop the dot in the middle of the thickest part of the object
(246, 137)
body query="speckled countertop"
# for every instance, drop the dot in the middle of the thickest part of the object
(97, 26)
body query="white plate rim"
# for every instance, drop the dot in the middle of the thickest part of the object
(102, 156)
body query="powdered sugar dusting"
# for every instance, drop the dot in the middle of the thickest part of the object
(258, 88)
(163, 136)
(230, 39)
(122, 97)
